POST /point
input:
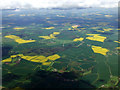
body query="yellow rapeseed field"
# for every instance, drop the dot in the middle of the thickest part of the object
(117, 41)
(100, 50)
(38, 59)
(56, 33)
(18, 39)
(51, 36)
(49, 28)
(19, 28)
(117, 48)
(78, 39)
(53, 57)
(7, 60)
(107, 29)
(46, 63)
(108, 15)
(96, 37)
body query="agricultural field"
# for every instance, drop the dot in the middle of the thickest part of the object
(50, 48)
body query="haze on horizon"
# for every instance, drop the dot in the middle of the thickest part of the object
(8, 4)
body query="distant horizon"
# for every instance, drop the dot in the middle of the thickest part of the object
(10, 4)
(57, 8)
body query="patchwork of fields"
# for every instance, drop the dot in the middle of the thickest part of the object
(77, 47)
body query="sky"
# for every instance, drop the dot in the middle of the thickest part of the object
(5, 4)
